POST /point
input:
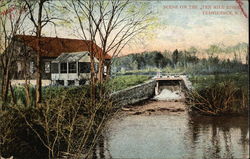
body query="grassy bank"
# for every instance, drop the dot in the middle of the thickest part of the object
(122, 82)
(202, 81)
(115, 84)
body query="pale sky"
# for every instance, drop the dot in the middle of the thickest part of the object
(183, 28)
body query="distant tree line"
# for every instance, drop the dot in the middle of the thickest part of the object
(186, 60)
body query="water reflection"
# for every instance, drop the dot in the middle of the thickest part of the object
(219, 136)
(175, 136)
(102, 148)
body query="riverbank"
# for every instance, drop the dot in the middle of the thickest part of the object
(154, 107)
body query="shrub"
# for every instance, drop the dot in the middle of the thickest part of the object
(66, 124)
(219, 98)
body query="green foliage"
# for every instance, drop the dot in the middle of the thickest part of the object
(145, 60)
(122, 82)
(175, 56)
(20, 96)
(203, 81)
(176, 62)
(192, 51)
(213, 49)
(240, 47)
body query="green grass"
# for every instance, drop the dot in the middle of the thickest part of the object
(167, 69)
(47, 92)
(202, 81)
(115, 84)
(174, 70)
(122, 82)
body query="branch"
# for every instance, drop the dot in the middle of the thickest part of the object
(31, 13)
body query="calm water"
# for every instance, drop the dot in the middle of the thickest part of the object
(176, 136)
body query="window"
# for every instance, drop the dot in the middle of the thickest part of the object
(82, 81)
(31, 67)
(84, 67)
(54, 68)
(47, 67)
(72, 67)
(60, 82)
(63, 67)
(71, 82)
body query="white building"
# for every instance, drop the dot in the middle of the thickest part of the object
(71, 69)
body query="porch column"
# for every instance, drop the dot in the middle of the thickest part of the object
(77, 71)
(59, 70)
(67, 68)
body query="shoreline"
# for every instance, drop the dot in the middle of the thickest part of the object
(154, 107)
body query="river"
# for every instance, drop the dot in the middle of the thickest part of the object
(177, 135)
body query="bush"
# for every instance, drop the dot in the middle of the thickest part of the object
(218, 99)
(66, 124)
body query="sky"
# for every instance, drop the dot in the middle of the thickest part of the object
(191, 27)
(188, 23)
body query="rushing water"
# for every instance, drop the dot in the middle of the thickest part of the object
(176, 136)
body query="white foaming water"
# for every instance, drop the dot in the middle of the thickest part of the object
(168, 95)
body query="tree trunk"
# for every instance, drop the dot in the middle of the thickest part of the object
(12, 94)
(3, 82)
(92, 80)
(108, 71)
(38, 81)
(100, 77)
(38, 58)
(100, 71)
(6, 86)
(27, 83)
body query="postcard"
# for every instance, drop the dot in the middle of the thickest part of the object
(124, 79)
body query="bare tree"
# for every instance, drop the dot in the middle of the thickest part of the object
(25, 56)
(40, 16)
(11, 20)
(111, 24)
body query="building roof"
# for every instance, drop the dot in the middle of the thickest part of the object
(72, 57)
(54, 46)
